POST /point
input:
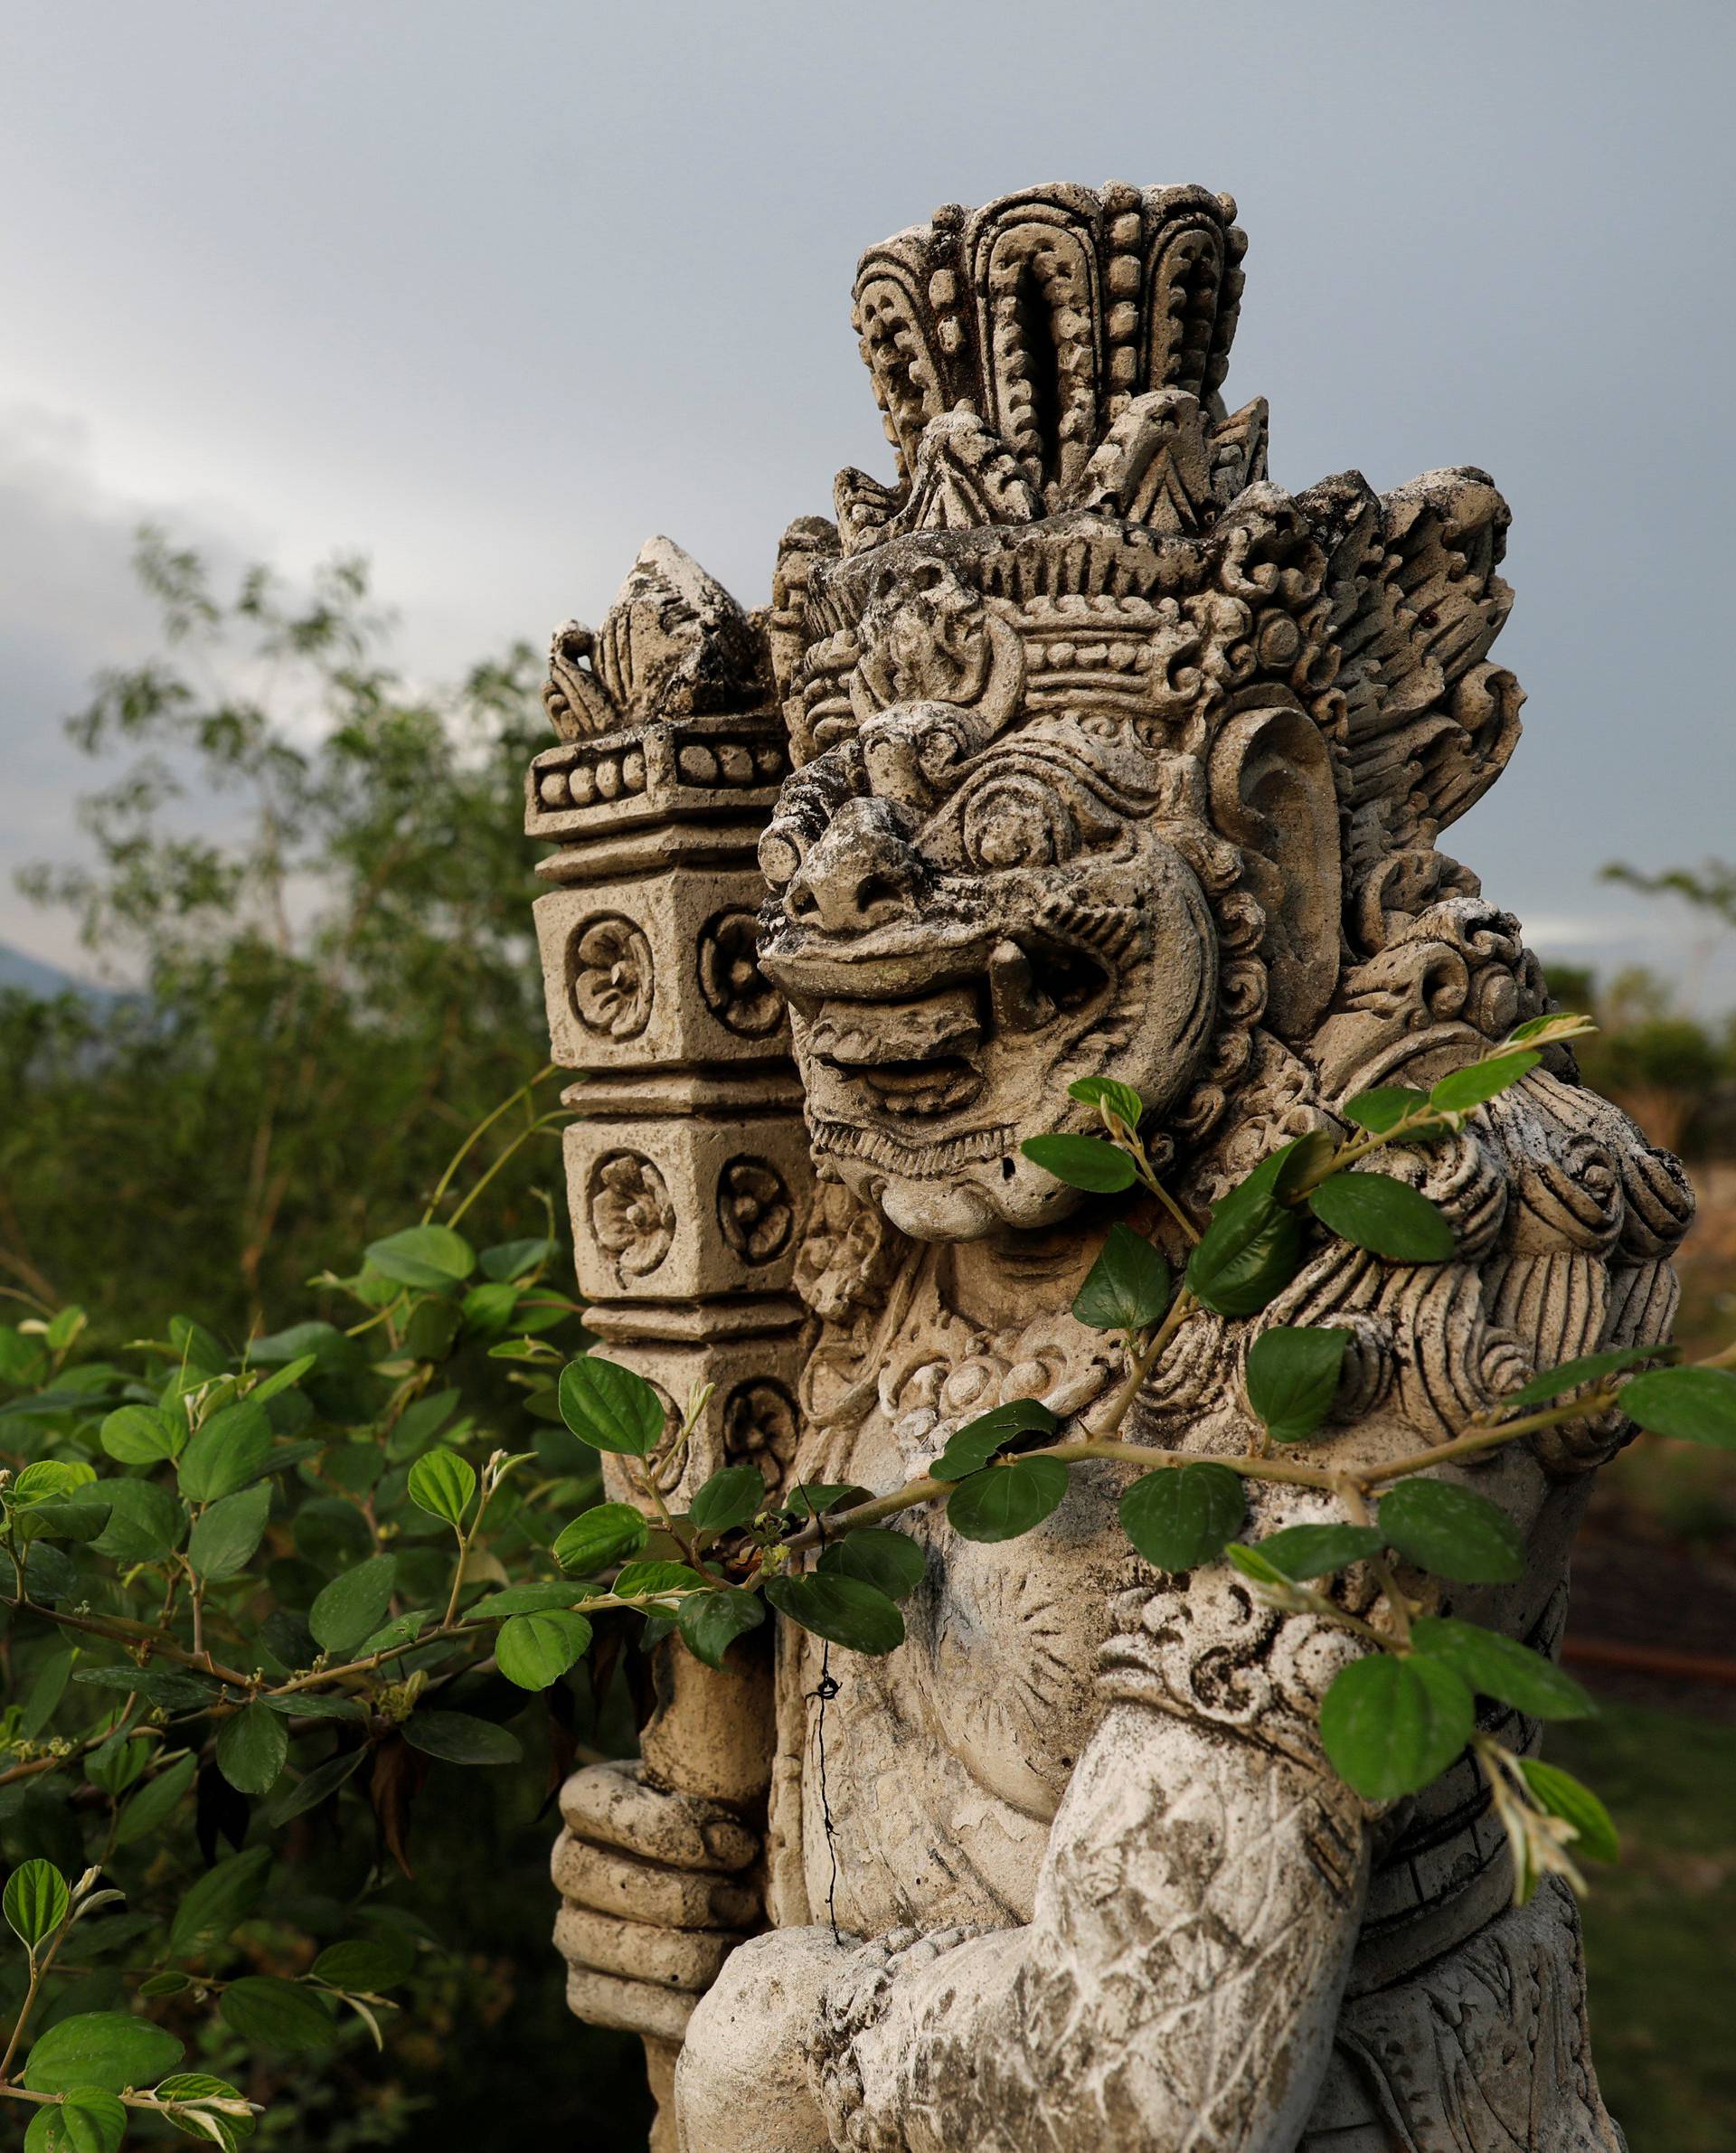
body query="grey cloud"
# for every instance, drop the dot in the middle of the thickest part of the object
(493, 293)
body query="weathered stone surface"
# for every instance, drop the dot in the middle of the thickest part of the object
(1110, 758)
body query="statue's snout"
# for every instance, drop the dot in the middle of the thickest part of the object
(861, 873)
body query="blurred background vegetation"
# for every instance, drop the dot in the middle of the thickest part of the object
(309, 886)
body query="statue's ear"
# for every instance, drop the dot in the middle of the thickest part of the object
(1272, 794)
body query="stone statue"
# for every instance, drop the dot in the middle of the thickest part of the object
(1080, 749)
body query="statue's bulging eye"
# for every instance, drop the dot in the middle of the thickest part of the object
(1018, 822)
(780, 855)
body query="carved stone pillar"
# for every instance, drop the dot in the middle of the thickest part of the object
(688, 1172)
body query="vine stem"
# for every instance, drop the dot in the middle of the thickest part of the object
(540, 1126)
(39, 1971)
(1290, 1472)
(478, 1132)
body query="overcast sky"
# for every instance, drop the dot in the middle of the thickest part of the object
(492, 291)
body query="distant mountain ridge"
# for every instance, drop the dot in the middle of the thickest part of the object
(32, 976)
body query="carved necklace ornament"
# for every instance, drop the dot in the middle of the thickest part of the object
(1107, 758)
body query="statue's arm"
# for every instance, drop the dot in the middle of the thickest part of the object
(1177, 1987)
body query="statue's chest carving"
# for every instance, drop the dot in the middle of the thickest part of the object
(945, 1762)
(993, 1686)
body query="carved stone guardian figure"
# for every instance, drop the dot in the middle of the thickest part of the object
(1080, 750)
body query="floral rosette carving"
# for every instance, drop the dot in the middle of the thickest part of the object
(760, 1427)
(609, 977)
(735, 990)
(632, 1216)
(754, 1209)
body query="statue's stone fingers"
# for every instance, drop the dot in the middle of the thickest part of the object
(635, 2006)
(675, 1958)
(610, 1804)
(608, 1881)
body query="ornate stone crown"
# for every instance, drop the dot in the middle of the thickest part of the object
(1076, 521)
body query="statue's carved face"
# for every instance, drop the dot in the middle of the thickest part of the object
(967, 915)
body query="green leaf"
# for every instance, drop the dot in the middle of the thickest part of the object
(432, 1256)
(48, 1477)
(285, 1379)
(1453, 1533)
(47, 1687)
(1126, 1288)
(252, 1749)
(842, 1610)
(1082, 1162)
(146, 1522)
(971, 1447)
(87, 2120)
(37, 1901)
(368, 1964)
(143, 1434)
(286, 2015)
(1182, 1515)
(1553, 1024)
(535, 1650)
(1561, 1795)
(219, 1903)
(1006, 1500)
(316, 1786)
(227, 1535)
(1470, 1087)
(710, 1622)
(106, 2050)
(433, 1330)
(442, 1484)
(732, 1497)
(150, 1810)
(115, 1764)
(403, 1630)
(419, 1422)
(1293, 1371)
(1389, 1217)
(609, 1407)
(891, 1561)
(488, 1310)
(1121, 1098)
(1695, 1405)
(1501, 1668)
(532, 1600)
(191, 2086)
(638, 1580)
(808, 1499)
(83, 1516)
(1383, 1108)
(517, 1259)
(1556, 1382)
(1253, 1247)
(1392, 1725)
(351, 1606)
(165, 1686)
(305, 1703)
(1301, 1160)
(1253, 1565)
(460, 1738)
(225, 1452)
(599, 1536)
(1301, 1551)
